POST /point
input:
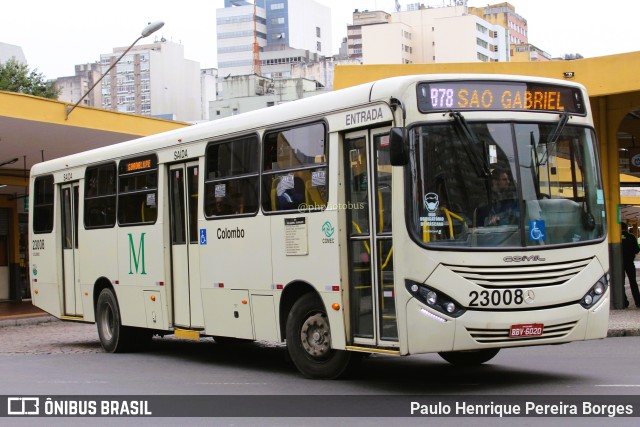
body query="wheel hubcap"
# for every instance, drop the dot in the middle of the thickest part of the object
(315, 336)
(107, 323)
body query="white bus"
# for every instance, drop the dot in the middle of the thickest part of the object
(361, 221)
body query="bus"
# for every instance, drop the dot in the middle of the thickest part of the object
(366, 220)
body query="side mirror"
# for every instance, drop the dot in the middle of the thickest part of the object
(398, 147)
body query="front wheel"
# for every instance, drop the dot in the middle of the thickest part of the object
(469, 358)
(114, 337)
(309, 341)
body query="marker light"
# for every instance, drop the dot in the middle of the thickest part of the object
(335, 306)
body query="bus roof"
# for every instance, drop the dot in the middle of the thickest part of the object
(271, 117)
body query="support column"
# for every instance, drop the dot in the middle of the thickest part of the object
(607, 134)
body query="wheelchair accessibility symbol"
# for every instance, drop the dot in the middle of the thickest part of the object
(203, 236)
(537, 230)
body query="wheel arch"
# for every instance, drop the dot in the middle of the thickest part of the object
(291, 293)
(101, 284)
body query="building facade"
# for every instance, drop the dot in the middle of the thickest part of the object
(209, 89)
(240, 26)
(11, 51)
(354, 30)
(153, 80)
(251, 36)
(504, 14)
(251, 92)
(72, 88)
(528, 53)
(432, 34)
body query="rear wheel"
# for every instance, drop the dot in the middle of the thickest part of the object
(114, 337)
(469, 358)
(309, 341)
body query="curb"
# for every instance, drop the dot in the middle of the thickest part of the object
(623, 333)
(23, 321)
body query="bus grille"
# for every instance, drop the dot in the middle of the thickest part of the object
(521, 276)
(501, 336)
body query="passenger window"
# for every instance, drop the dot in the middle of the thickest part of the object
(138, 190)
(295, 169)
(43, 205)
(231, 183)
(100, 196)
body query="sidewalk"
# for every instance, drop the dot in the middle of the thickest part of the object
(622, 323)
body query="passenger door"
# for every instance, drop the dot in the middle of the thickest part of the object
(185, 258)
(371, 295)
(69, 197)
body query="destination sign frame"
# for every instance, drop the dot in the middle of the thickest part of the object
(481, 95)
(138, 164)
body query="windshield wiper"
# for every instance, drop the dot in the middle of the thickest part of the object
(470, 140)
(552, 138)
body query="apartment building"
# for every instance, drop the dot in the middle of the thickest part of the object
(431, 34)
(72, 88)
(154, 80)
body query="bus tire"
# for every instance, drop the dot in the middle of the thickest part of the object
(469, 358)
(309, 341)
(114, 337)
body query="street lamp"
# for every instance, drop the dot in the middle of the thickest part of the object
(147, 31)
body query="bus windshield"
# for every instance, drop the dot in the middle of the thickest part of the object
(495, 185)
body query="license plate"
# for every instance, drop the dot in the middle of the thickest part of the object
(528, 330)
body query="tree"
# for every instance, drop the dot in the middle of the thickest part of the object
(16, 77)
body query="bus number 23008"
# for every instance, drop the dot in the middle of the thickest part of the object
(495, 297)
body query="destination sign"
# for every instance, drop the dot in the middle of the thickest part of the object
(138, 164)
(499, 96)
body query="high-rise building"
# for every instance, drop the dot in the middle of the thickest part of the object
(247, 31)
(354, 31)
(241, 30)
(504, 14)
(72, 88)
(153, 79)
(428, 35)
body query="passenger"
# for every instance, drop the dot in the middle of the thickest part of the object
(629, 251)
(290, 192)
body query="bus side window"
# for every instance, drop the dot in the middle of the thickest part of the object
(100, 196)
(43, 205)
(138, 190)
(231, 187)
(295, 169)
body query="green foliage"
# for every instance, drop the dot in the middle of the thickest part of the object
(16, 77)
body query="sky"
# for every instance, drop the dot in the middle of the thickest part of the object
(57, 35)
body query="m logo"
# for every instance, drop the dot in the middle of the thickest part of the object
(136, 259)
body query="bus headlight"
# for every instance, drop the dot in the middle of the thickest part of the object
(434, 299)
(596, 292)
